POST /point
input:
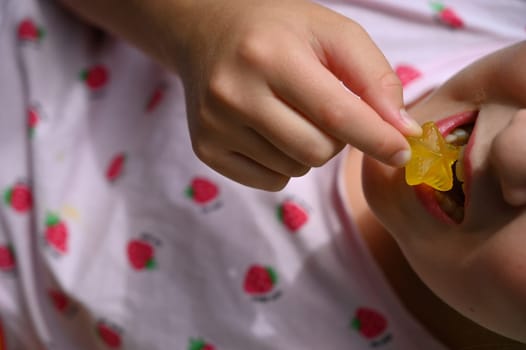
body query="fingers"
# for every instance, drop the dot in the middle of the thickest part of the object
(245, 156)
(294, 134)
(251, 145)
(338, 112)
(258, 108)
(246, 171)
(355, 59)
(507, 157)
(279, 88)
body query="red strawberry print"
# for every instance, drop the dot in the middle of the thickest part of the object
(370, 323)
(202, 190)
(95, 77)
(109, 334)
(199, 344)
(7, 258)
(116, 167)
(32, 120)
(19, 197)
(56, 233)
(407, 73)
(60, 299)
(28, 31)
(259, 280)
(141, 255)
(155, 99)
(292, 215)
(447, 15)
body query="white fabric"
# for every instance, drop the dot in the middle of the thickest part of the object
(73, 272)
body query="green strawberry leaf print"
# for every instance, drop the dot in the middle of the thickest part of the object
(7, 195)
(447, 15)
(437, 6)
(33, 119)
(151, 264)
(56, 233)
(52, 219)
(199, 344)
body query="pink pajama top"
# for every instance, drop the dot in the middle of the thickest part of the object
(113, 235)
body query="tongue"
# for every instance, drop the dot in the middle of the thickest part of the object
(449, 205)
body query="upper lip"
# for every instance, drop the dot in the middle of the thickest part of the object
(446, 126)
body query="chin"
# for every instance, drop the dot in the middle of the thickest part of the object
(399, 210)
(483, 282)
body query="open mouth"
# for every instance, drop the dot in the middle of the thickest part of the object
(452, 202)
(450, 205)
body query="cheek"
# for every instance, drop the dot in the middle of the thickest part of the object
(392, 201)
(482, 276)
(508, 161)
(500, 273)
(423, 241)
(375, 182)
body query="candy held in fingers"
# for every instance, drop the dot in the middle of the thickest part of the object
(431, 160)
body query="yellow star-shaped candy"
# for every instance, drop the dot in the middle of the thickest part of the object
(431, 160)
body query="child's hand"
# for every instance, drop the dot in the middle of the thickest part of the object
(264, 95)
(263, 84)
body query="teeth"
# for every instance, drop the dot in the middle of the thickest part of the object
(459, 165)
(461, 133)
(451, 138)
(458, 136)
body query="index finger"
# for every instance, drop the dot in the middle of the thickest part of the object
(321, 97)
(353, 57)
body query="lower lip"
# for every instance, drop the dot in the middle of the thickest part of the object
(426, 194)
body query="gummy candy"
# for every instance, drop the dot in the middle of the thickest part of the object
(431, 160)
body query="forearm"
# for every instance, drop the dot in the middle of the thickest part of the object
(142, 23)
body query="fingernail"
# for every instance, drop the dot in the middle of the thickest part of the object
(400, 158)
(413, 128)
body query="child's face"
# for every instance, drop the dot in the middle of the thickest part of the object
(477, 265)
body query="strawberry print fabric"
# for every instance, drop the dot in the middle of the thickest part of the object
(113, 235)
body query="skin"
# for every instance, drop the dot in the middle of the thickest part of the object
(256, 117)
(254, 114)
(466, 283)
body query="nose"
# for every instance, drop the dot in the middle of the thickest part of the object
(508, 159)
